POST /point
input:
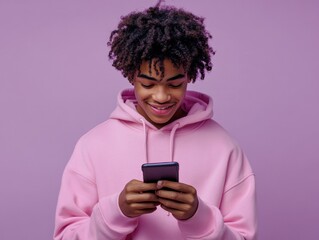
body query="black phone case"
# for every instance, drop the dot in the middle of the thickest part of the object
(153, 172)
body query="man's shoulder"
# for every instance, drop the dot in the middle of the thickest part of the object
(215, 132)
(100, 131)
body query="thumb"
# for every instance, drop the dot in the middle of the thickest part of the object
(159, 184)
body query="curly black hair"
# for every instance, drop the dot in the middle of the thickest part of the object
(157, 33)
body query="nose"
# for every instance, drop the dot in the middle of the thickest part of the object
(161, 95)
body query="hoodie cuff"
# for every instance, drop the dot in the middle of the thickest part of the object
(205, 221)
(113, 217)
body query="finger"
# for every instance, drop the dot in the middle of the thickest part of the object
(179, 211)
(138, 186)
(176, 206)
(140, 210)
(135, 204)
(141, 197)
(186, 198)
(181, 215)
(144, 206)
(171, 195)
(177, 186)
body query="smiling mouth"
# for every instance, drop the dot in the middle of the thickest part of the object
(162, 109)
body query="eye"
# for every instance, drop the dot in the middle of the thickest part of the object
(147, 85)
(176, 85)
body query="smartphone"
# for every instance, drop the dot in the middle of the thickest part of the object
(153, 172)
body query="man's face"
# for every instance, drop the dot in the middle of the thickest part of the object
(159, 100)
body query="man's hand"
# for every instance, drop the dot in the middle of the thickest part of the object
(179, 199)
(138, 198)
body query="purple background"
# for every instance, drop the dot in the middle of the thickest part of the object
(57, 83)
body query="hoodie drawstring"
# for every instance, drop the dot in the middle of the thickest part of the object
(171, 140)
(145, 140)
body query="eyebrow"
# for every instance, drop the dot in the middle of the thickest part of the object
(178, 76)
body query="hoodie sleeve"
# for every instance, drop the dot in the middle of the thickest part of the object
(235, 218)
(80, 214)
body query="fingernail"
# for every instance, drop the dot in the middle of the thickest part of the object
(159, 184)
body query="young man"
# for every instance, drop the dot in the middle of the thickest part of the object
(103, 196)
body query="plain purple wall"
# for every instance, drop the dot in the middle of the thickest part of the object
(57, 83)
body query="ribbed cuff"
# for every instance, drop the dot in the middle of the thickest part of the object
(204, 222)
(113, 217)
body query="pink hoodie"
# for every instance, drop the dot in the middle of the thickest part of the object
(111, 154)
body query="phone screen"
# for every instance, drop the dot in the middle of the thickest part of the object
(153, 172)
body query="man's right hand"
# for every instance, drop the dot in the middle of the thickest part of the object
(138, 198)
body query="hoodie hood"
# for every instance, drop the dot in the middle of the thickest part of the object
(199, 107)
